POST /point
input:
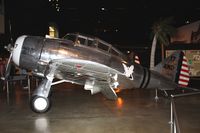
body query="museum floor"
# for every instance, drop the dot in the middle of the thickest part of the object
(74, 110)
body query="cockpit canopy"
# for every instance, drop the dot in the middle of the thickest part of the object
(93, 42)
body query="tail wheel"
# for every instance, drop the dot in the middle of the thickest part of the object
(40, 104)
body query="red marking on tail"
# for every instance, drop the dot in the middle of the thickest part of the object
(184, 73)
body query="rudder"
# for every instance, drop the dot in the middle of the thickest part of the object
(175, 67)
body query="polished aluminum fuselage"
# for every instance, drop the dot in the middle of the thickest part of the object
(79, 63)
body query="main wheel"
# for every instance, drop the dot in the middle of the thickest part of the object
(40, 104)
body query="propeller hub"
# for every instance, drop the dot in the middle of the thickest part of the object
(9, 47)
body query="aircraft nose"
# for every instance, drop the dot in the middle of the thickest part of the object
(17, 49)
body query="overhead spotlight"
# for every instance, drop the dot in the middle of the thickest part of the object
(103, 9)
(187, 21)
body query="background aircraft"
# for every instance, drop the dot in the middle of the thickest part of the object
(91, 62)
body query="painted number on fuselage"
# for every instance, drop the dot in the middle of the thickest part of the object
(128, 71)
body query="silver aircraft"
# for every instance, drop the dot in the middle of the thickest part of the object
(93, 63)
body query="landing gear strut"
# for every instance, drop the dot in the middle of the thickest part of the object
(40, 102)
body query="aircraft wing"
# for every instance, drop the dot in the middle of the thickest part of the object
(76, 72)
(69, 70)
(79, 67)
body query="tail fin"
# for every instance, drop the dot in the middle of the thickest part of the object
(175, 67)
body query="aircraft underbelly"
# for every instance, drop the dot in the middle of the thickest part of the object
(80, 68)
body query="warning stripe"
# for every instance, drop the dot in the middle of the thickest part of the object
(184, 67)
(184, 62)
(187, 76)
(137, 59)
(184, 78)
(182, 83)
(184, 73)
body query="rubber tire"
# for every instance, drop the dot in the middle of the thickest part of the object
(34, 98)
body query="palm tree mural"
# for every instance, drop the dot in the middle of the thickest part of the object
(162, 30)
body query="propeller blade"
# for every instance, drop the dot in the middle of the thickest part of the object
(9, 48)
(10, 30)
(8, 66)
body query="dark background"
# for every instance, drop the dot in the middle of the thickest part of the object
(125, 24)
(124, 21)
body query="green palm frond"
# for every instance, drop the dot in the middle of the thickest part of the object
(164, 30)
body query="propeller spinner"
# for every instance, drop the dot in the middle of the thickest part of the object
(14, 54)
(17, 49)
